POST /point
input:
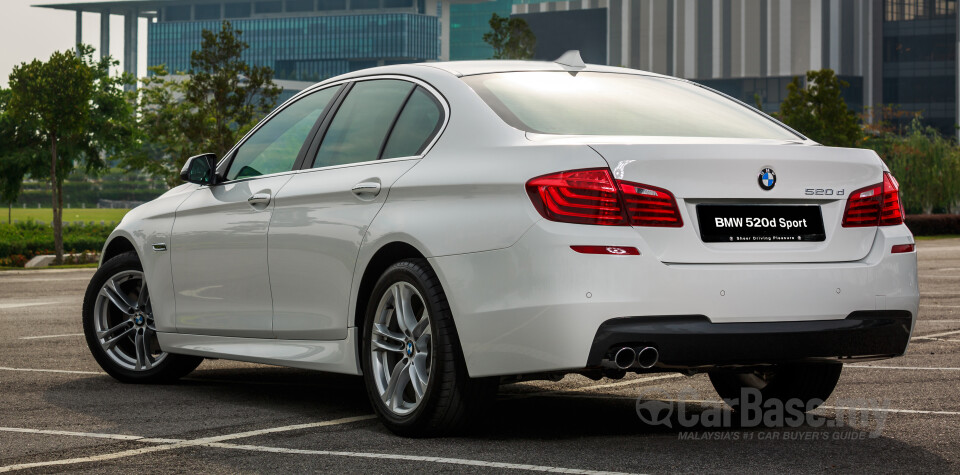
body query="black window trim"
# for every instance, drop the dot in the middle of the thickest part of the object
(328, 118)
(227, 160)
(323, 122)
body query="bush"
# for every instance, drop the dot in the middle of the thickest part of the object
(933, 224)
(29, 239)
(927, 165)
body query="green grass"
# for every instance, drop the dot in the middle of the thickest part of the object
(69, 215)
(939, 236)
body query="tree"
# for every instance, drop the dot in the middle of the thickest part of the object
(78, 110)
(819, 111)
(14, 161)
(510, 38)
(926, 164)
(206, 109)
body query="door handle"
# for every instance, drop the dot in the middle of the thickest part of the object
(369, 188)
(259, 198)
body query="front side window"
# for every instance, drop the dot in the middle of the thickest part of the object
(590, 103)
(362, 122)
(274, 147)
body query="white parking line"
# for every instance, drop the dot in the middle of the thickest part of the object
(912, 368)
(50, 336)
(216, 442)
(936, 335)
(181, 444)
(32, 370)
(414, 458)
(94, 435)
(628, 382)
(15, 280)
(622, 383)
(939, 306)
(7, 306)
(894, 411)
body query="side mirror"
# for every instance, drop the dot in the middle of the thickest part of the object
(200, 169)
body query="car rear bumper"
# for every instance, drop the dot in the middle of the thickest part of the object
(693, 341)
(537, 305)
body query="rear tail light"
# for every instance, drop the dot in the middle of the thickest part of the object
(593, 197)
(875, 205)
(650, 206)
(892, 212)
(579, 196)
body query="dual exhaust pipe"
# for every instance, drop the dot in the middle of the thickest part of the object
(645, 357)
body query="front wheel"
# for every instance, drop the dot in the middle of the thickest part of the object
(119, 326)
(412, 364)
(810, 383)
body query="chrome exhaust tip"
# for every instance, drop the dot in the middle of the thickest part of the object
(647, 357)
(624, 357)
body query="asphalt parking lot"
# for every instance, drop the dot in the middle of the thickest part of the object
(59, 412)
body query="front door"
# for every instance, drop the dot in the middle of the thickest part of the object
(219, 239)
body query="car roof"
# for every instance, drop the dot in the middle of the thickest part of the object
(469, 68)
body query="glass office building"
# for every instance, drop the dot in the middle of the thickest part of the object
(468, 23)
(920, 59)
(302, 40)
(307, 48)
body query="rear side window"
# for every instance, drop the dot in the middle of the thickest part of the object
(590, 103)
(362, 122)
(418, 123)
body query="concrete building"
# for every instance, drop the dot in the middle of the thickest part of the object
(900, 52)
(302, 40)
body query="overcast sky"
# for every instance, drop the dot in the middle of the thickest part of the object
(27, 33)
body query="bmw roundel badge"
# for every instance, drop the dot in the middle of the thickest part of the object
(767, 179)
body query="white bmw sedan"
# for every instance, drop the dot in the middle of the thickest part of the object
(440, 228)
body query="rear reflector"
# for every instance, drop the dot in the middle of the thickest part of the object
(612, 250)
(592, 196)
(900, 248)
(875, 205)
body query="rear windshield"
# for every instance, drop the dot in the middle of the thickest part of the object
(589, 103)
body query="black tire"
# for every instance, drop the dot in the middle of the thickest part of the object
(811, 383)
(170, 368)
(451, 400)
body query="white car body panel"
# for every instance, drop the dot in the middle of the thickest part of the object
(319, 224)
(521, 299)
(220, 271)
(721, 168)
(514, 310)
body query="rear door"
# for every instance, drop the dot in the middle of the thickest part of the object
(219, 238)
(378, 132)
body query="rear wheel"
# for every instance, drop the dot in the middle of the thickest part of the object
(811, 383)
(120, 329)
(412, 364)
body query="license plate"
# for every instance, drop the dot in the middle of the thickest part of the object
(760, 223)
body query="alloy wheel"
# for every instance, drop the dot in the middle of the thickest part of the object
(401, 348)
(124, 323)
